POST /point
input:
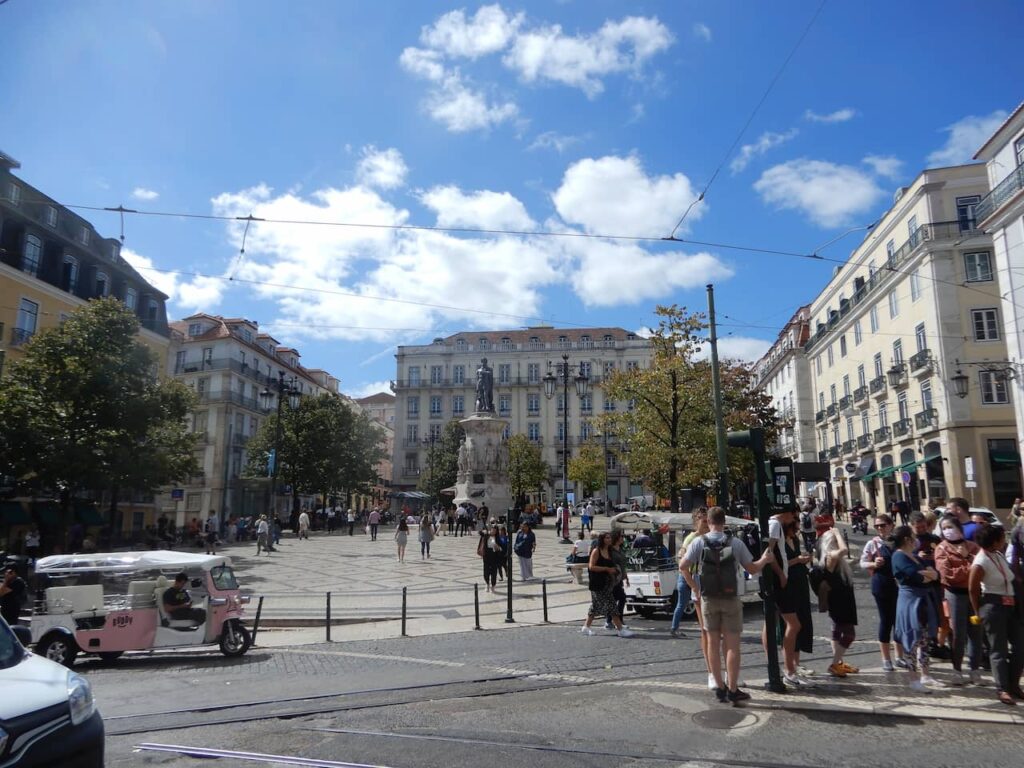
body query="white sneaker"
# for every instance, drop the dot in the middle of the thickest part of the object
(917, 686)
(587, 631)
(626, 632)
(794, 680)
(931, 682)
(902, 664)
(804, 671)
(887, 665)
(712, 686)
(976, 677)
(957, 678)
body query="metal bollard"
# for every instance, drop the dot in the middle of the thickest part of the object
(544, 594)
(476, 605)
(256, 621)
(404, 591)
(328, 617)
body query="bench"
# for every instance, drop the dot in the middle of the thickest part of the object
(82, 602)
(141, 594)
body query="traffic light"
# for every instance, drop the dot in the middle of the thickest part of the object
(753, 439)
(781, 484)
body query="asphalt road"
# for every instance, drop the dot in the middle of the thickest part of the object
(536, 695)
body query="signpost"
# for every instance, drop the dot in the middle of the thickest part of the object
(969, 472)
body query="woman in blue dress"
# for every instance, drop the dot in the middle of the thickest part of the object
(917, 618)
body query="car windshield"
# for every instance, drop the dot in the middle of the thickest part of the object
(223, 577)
(11, 651)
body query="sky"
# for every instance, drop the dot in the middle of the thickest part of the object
(561, 128)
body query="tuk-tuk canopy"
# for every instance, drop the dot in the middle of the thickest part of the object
(673, 521)
(129, 561)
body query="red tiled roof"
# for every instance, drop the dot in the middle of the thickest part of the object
(382, 398)
(543, 334)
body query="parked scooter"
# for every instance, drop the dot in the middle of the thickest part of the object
(859, 519)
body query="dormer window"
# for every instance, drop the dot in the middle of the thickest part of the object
(83, 235)
(195, 329)
(460, 345)
(483, 343)
(32, 255)
(102, 284)
(13, 194)
(131, 298)
(152, 308)
(69, 274)
(50, 216)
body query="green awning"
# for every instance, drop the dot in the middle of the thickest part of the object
(883, 472)
(1010, 458)
(48, 513)
(13, 513)
(89, 515)
(914, 464)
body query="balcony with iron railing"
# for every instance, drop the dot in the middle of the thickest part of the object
(833, 452)
(864, 441)
(926, 233)
(921, 362)
(849, 446)
(902, 428)
(877, 386)
(832, 411)
(845, 402)
(1003, 191)
(860, 393)
(881, 435)
(819, 417)
(927, 420)
(822, 456)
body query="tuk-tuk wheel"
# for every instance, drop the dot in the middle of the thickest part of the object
(235, 639)
(59, 648)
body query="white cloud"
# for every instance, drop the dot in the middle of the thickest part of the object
(829, 194)
(644, 332)
(581, 61)
(381, 168)
(183, 295)
(483, 209)
(743, 348)
(462, 108)
(488, 31)
(703, 31)
(885, 165)
(423, 63)
(765, 142)
(636, 113)
(368, 388)
(839, 116)
(965, 137)
(613, 195)
(553, 140)
(141, 193)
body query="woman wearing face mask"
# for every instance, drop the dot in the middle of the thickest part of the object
(953, 558)
(876, 559)
(917, 620)
(991, 588)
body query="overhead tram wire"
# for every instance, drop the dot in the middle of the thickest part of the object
(750, 119)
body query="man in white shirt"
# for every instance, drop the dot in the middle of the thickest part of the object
(304, 525)
(262, 536)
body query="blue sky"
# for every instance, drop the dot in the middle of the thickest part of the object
(594, 117)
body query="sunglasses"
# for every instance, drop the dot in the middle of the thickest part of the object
(883, 525)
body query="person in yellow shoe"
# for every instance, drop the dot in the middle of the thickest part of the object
(842, 604)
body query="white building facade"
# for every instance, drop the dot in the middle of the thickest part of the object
(784, 374)
(1001, 214)
(436, 382)
(911, 399)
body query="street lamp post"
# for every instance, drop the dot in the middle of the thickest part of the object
(282, 389)
(582, 382)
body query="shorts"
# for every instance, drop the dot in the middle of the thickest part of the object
(722, 614)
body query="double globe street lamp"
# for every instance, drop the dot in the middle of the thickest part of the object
(281, 388)
(582, 382)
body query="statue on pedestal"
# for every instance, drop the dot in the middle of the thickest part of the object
(484, 388)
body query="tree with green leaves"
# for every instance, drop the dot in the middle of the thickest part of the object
(587, 468)
(527, 469)
(327, 447)
(84, 410)
(667, 435)
(442, 460)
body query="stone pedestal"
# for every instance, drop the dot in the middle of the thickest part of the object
(483, 464)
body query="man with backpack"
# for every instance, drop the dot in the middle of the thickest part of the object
(717, 557)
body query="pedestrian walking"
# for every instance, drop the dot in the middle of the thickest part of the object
(13, 596)
(876, 559)
(783, 597)
(332, 519)
(262, 535)
(953, 558)
(799, 589)
(426, 535)
(683, 594)
(917, 620)
(621, 582)
(716, 557)
(587, 518)
(842, 604)
(450, 519)
(526, 544)
(460, 520)
(994, 598)
(603, 576)
(493, 553)
(304, 525)
(210, 533)
(374, 522)
(503, 563)
(351, 516)
(402, 538)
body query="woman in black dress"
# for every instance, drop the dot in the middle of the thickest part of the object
(604, 574)
(799, 590)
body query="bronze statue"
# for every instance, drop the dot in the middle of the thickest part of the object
(484, 388)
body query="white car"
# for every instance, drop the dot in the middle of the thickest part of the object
(47, 713)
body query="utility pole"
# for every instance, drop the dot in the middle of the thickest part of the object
(716, 386)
